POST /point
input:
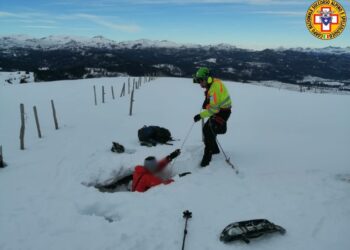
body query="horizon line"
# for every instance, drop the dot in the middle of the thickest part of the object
(165, 40)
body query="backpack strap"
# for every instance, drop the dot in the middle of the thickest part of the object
(167, 143)
(148, 143)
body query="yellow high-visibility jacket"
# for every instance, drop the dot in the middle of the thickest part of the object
(219, 98)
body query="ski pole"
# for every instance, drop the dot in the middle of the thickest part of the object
(188, 134)
(227, 159)
(184, 142)
(187, 215)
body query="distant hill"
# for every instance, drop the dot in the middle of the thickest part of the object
(65, 57)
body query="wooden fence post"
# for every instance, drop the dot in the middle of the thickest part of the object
(122, 93)
(112, 92)
(37, 121)
(131, 102)
(95, 95)
(22, 131)
(2, 163)
(103, 94)
(54, 114)
(129, 86)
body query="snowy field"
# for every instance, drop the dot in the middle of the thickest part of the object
(341, 88)
(292, 150)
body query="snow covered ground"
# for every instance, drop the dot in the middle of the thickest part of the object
(292, 150)
(328, 88)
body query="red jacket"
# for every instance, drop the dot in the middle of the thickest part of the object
(143, 179)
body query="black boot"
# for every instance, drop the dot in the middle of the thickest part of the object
(206, 158)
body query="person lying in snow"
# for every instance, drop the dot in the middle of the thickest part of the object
(144, 176)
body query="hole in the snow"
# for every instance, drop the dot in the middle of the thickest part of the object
(112, 185)
(343, 177)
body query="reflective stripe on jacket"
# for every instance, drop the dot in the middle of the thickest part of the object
(219, 98)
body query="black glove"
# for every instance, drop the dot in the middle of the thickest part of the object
(197, 118)
(184, 174)
(174, 154)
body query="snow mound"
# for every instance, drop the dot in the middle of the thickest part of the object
(211, 60)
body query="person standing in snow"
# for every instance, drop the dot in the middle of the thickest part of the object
(216, 107)
(144, 177)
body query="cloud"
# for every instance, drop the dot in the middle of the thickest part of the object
(37, 20)
(113, 3)
(29, 19)
(282, 13)
(40, 27)
(23, 15)
(116, 26)
(8, 14)
(251, 2)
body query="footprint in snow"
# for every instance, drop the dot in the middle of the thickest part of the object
(106, 212)
(343, 177)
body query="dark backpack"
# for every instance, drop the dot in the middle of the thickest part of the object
(154, 135)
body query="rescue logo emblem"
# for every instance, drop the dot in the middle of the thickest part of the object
(326, 19)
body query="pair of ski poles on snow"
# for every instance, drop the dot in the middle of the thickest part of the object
(227, 159)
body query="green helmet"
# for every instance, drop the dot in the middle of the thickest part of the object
(203, 73)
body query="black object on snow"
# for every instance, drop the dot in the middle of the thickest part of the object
(148, 144)
(2, 163)
(245, 230)
(118, 148)
(152, 135)
(184, 174)
(187, 215)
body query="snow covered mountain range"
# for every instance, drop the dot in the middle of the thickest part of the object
(66, 57)
(75, 42)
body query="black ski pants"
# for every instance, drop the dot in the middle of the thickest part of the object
(216, 124)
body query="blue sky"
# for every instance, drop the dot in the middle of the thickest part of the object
(245, 23)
